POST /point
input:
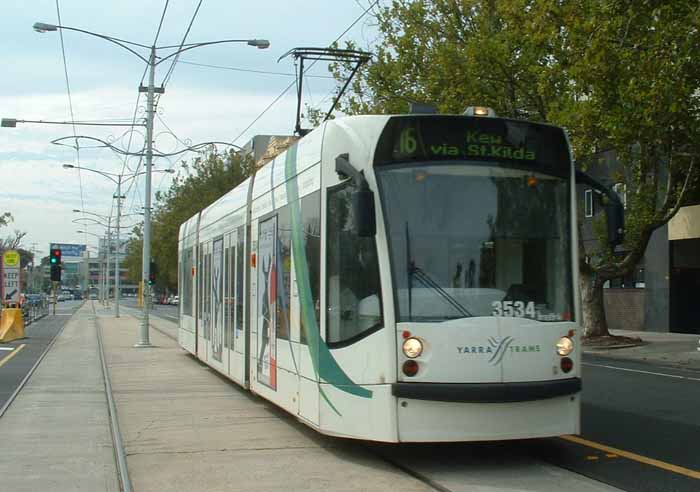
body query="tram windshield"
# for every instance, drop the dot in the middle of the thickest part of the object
(474, 238)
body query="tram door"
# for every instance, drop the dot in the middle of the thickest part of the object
(234, 345)
(217, 358)
(204, 302)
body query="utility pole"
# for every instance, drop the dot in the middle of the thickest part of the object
(109, 247)
(32, 274)
(151, 62)
(118, 252)
(144, 340)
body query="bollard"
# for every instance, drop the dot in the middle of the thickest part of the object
(11, 325)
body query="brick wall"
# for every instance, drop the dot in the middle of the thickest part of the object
(624, 309)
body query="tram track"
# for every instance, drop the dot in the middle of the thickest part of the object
(117, 441)
(380, 456)
(408, 470)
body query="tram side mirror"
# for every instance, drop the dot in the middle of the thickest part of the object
(363, 211)
(362, 197)
(614, 210)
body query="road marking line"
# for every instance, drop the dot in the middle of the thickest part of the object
(634, 457)
(4, 361)
(7, 348)
(675, 376)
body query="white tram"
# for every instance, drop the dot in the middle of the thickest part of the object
(397, 278)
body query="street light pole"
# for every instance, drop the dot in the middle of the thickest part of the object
(109, 240)
(116, 259)
(144, 340)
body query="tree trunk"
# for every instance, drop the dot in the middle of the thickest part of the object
(594, 322)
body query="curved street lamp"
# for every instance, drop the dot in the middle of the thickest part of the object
(117, 179)
(152, 62)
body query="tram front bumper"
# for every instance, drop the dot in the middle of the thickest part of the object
(433, 412)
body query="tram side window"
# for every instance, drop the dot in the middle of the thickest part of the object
(186, 282)
(228, 301)
(200, 284)
(207, 295)
(239, 279)
(283, 269)
(311, 227)
(353, 288)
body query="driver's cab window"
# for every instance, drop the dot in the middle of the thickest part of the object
(353, 288)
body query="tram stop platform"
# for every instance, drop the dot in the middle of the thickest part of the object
(185, 428)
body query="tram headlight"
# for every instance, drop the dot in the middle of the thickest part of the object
(412, 347)
(565, 346)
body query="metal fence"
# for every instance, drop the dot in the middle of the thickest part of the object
(34, 310)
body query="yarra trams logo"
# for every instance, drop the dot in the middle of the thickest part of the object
(497, 349)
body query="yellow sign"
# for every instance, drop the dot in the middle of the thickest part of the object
(11, 258)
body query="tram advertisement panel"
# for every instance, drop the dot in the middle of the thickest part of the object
(267, 304)
(217, 339)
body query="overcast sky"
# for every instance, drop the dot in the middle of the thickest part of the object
(199, 104)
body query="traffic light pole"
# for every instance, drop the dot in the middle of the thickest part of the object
(144, 340)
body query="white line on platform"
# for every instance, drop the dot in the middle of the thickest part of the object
(674, 376)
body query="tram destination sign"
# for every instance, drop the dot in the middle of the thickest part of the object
(436, 138)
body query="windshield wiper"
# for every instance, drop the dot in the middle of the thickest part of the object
(428, 282)
(413, 271)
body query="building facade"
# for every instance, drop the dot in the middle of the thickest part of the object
(663, 292)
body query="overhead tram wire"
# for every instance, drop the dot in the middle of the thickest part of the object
(138, 99)
(184, 38)
(72, 116)
(249, 70)
(257, 118)
(160, 24)
(167, 77)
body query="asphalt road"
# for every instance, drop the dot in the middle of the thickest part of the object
(165, 311)
(640, 433)
(18, 357)
(650, 412)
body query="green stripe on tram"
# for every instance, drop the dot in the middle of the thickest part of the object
(325, 366)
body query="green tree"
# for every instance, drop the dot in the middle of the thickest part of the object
(621, 75)
(199, 184)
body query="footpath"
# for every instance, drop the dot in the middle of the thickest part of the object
(184, 428)
(55, 436)
(676, 350)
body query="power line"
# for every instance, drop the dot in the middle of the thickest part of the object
(372, 5)
(160, 24)
(250, 70)
(184, 38)
(133, 186)
(70, 105)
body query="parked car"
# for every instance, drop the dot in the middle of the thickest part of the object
(175, 300)
(35, 299)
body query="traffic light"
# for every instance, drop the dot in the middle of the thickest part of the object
(55, 256)
(55, 262)
(153, 272)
